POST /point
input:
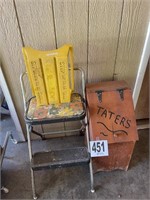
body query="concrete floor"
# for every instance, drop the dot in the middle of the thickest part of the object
(74, 182)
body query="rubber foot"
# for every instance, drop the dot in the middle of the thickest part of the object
(35, 197)
(92, 190)
(5, 190)
(14, 141)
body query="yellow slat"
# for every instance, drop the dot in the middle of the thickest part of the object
(50, 76)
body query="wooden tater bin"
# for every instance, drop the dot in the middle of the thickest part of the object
(112, 118)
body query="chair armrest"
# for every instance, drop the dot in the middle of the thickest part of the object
(23, 89)
(82, 79)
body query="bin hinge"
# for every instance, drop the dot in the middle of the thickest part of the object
(99, 95)
(121, 92)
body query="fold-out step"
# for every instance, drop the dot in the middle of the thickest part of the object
(60, 158)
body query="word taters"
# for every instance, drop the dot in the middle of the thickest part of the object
(118, 119)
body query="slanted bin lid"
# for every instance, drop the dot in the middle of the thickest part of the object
(111, 114)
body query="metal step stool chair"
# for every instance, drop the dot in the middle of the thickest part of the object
(49, 114)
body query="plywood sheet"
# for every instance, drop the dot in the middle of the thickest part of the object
(36, 23)
(104, 24)
(131, 40)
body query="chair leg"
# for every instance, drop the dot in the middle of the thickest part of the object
(90, 163)
(33, 184)
(30, 156)
(4, 189)
(91, 176)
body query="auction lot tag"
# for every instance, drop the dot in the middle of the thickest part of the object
(99, 148)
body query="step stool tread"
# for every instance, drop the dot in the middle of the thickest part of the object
(60, 158)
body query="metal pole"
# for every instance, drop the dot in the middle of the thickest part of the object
(30, 156)
(142, 68)
(8, 135)
(87, 132)
(28, 136)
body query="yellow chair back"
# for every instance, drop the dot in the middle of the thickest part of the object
(50, 73)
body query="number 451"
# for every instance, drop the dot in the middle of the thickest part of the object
(98, 147)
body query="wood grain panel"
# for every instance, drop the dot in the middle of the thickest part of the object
(11, 58)
(71, 26)
(71, 18)
(104, 24)
(142, 109)
(36, 23)
(134, 25)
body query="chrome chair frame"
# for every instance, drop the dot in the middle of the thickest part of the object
(84, 125)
